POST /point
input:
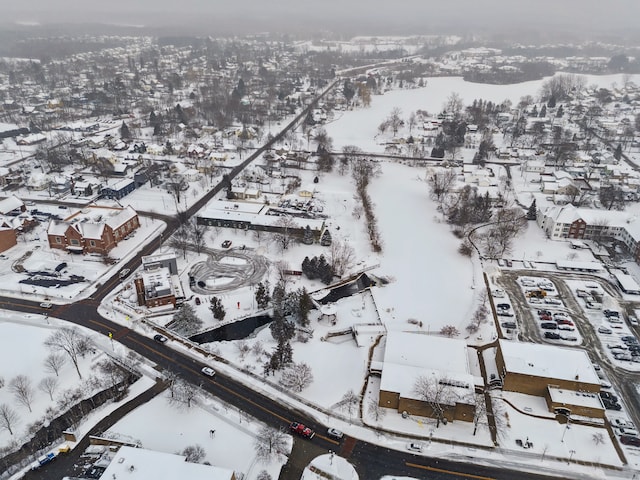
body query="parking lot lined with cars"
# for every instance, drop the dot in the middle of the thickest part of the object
(550, 305)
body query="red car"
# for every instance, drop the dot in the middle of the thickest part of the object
(301, 430)
(564, 322)
(545, 317)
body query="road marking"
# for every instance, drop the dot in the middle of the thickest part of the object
(257, 405)
(101, 324)
(451, 472)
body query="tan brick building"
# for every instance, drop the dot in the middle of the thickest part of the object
(565, 377)
(443, 363)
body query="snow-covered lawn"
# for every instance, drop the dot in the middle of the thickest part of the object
(20, 333)
(162, 426)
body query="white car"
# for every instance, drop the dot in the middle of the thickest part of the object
(414, 447)
(604, 329)
(627, 431)
(46, 304)
(208, 371)
(335, 433)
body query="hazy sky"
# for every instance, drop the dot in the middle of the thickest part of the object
(586, 15)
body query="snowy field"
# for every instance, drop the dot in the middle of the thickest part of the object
(20, 333)
(360, 127)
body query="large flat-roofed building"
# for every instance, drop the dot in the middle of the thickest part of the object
(443, 363)
(141, 464)
(565, 377)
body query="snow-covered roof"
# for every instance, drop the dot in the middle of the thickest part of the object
(10, 204)
(411, 355)
(548, 362)
(140, 464)
(57, 228)
(122, 217)
(571, 397)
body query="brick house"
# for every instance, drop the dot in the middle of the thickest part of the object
(93, 230)
(8, 237)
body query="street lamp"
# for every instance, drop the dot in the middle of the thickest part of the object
(571, 452)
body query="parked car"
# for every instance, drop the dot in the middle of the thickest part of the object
(160, 338)
(617, 346)
(620, 422)
(544, 312)
(208, 371)
(565, 322)
(552, 335)
(629, 339)
(623, 356)
(414, 447)
(613, 398)
(566, 328)
(561, 316)
(549, 325)
(198, 301)
(630, 440)
(633, 320)
(609, 405)
(545, 317)
(610, 313)
(509, 325)
(593, 305)
(504, 313)
(497, 293)
(335, 433)
(503, 306)
(226, 244)
(569, 338)
(627, 431)
(300, 429)
(604, 329)
(552, 301)
(582, 293)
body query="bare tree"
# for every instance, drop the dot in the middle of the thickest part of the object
(49, 385)
(112, 371)
(297, 376)
(412, 121)
(263, 475)
(480, 412)
(197, 234)
(453, 105)
(394, 120)
(438, 393)
(349, 402)
(441, 183)
(180, 240)
(22, 390)
(341, 257)
(270, 443)
(72, 342)
(54, 362)
(375, 411)
(350, 154)
(8, 418)
(284, 236)
(183, 393)
(185, 321)
(449, 331)
(508, 224)
(193, 453)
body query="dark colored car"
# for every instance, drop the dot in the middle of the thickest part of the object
(226, 244)
(610, 313)
(160, 338)
(544, 312)
(609, 396)
(549, 325)
(630, 440)
(610, 404)
(552, 335)
(564, 322)
(629, 339)
(198, 301)
(509, 325)
(503, 306)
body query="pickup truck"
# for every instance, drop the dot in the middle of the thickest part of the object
(43, 460)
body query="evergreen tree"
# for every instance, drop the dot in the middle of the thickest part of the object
(262, 295)
(325, 239)
(304, 307)
(532, 213)
(217, 308)
(617, 154)
(124, 131)
(552, 101)
(307, 239)
(543, 111)
(560, 112)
